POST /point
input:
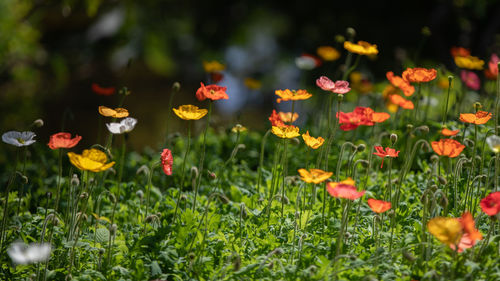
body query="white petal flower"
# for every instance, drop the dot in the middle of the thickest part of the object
(21, 253)
(305, 62)
(125, 126)
(19, 138)
(494, 143)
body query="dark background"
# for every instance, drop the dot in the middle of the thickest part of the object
(51, 52)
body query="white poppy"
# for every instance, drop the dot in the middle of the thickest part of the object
(306, 62)
(21, 253)
(19, 138)
(125, 126)
(494, 143)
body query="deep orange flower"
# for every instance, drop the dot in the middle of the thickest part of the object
(449, 133)
(491, 203)
(63, 140)
(378, 206)
(312, 142)
(344, 189)
(478, 118)
(314, 175)
(468, 226)
(419, 74)
(399, 82)
(212, 92)
(388, 152)
(400, 101)
(447, 147)
(286, 95)
(360, 116)
(102, 91)
(459, 52)
(276, 119)
(287, 116)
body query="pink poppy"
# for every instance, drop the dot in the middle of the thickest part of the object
(470, 79)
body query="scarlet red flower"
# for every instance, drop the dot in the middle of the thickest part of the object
(399, 82)
(388, 152)
(378, 206)
(63, 140)
(102, 91)
(447, 147)
(419, 74)
(276, 119)
(167, 161)
(213, 92)
(360, 116)
(344, 189)
(491, 204)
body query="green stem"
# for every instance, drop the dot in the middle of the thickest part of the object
(6, 205)
(202, 158)
(445, 109)
(183, 169)
(261, 160)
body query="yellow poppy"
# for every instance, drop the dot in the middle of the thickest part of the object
(362, 48)
(286, 95)
(189, 112)
(92, 160)
(314, 175)
(238, 129)
(446, 230)
(252, 84)
(287, 116)
(469, 62)
(328, 53)
(312, 142)
(287, 132)
(213, 66)
(115, 113)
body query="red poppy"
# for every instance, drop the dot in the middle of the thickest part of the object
(388, 152)
(213, 92)
(399, 82)
(378, 206)
(344, 189)
(360, 116)
(167, 161)
(102, 91)
(491, 204)
(419, 74)
(63, 140)
(276, 120)
(447, 147)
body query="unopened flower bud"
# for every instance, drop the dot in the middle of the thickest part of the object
(38, 123)
(139, 194)
(183, 197)
(394, 138)
(426, 31)
(361, 147)
(236, 263)
(112, 229)
(442, 180)
(339, 38)
(176, 86)
(84, 195)
(351, 32)
(409, 127)
(477, 106)
(101, 251)
(212, 175)
(223, 199)
(49, 194)
(424, 129)
(409, 256)
(434, 158)
(124, 91)
(297, 215)
(243, 211)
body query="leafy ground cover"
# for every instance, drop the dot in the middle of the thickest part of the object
(401, 185)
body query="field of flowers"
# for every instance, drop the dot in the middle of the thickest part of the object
(401, 184)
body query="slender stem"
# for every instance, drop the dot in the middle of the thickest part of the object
(261, 160)
(445, 109)
(417, 102)
(202, 158)
(59, 178)
(284, 165)
(6, 205)
(183, 169)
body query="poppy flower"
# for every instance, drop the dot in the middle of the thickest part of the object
(491, 203)
(102, 91)
(492, 71)
(478, 118)
(252, 84)
(459, 52)
(307, 62)
(239, 129)
(125, 126)
(287, 95)
(287, 116)
(312, 142)
(494, 143)
(338, 87)
(419, 74)
(362, 48)
(447, 147)
(286, 132)
(213, 92)
(378, 206)
(469, 62)
(388, 152)
(360, 82)
(21, 253)
(189, 112)
(92, 160)
(449, 133)
(399, 82)
(446, 230)
(167, 161)
(344, 189)
(360, 116)
(115, 113)
(276, 120)
(63, 140)
(314, 175)
(213, 66)
(468, 226)
(402, 102)
(470, 79)
(19, 139)
(328, 53)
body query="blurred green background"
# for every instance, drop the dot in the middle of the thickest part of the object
(52, 51)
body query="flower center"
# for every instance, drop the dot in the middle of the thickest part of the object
(20, 140)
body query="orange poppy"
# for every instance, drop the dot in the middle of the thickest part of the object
(115, 113)
(312, 142)
(459, 52)
(314, 175)
(419, 74)
(449, 133)
(286, 95)
(478, 118)
(468, 226)
(287, 116)
(378, 206)
(400, 101)
(399, 82)
(276, 120)
(447, 147)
